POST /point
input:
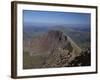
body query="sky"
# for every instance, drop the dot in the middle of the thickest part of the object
(51, 17)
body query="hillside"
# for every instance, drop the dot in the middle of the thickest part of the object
(50, 49)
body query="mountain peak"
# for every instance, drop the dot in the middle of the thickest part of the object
(57, 35)
(53, 39)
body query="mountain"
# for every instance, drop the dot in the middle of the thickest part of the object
(79, 33)
(51, 49)
(53, 39)
(51, 45)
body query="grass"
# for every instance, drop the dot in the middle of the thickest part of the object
(35, 61)
(26, 60)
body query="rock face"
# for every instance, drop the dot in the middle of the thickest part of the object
(56, 48)
(84, 59)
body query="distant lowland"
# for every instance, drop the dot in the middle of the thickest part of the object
(51, 45)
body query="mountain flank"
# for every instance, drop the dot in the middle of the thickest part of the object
(51, 49)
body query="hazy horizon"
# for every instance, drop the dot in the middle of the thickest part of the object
(55, 18)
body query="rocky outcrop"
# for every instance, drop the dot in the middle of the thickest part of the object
(84, 59)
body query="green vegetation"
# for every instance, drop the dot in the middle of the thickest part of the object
(34, 61)
(27, 64)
